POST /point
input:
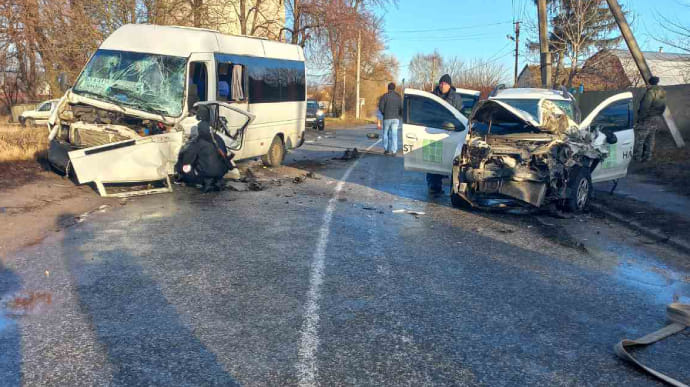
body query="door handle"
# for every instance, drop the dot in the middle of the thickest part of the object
(411, 136)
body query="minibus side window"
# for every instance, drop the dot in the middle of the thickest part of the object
(231, 85)
(198, 83)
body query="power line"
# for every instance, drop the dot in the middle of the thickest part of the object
(449, 29)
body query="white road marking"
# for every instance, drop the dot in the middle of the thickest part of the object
(309, 341)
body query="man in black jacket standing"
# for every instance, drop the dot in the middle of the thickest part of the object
(390, 105)
(446, 91)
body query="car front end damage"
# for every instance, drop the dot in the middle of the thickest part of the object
(528, 163)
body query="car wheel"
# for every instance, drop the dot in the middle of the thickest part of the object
(22, 122)
(322, 126)
(456, 200)
(579, 190)
(276, 153)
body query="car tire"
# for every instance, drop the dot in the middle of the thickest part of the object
(22, 122)
(579, 190)
(276, 153)
(321, 126)
(456, 200)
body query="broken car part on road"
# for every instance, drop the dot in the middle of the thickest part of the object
(679, 315)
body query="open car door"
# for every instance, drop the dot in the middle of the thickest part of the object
(612, 118)
(432, 131)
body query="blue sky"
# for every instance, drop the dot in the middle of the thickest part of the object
(477, 29)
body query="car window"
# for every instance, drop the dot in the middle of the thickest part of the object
(312, 106)
(45, 107)
(531, 106)
(468, 102)
(424, 111)
(615, 117)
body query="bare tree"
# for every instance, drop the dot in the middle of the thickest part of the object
(425, 70)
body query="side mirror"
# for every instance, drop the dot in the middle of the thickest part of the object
(611, 137)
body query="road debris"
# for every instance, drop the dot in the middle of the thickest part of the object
(237, 186)
(679, 315)
(406, 211)
(349, 154)
(373, 136)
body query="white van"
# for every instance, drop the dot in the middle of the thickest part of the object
(131, 108)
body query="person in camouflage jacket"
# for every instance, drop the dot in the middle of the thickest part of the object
(649, 120)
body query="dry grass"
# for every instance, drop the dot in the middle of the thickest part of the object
(22, 144)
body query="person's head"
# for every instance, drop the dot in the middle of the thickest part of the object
(391, 86)
(654, 81)
(203, 114)
(445, 83)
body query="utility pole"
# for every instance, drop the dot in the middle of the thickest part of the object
(641, 64)
(517, 52)
(342, 106)
(359, 52)
(545, 56)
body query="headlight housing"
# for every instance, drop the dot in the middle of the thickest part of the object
(319, 112)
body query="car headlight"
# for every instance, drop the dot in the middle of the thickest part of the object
(319, 112)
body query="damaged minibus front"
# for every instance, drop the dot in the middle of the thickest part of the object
(131, 109)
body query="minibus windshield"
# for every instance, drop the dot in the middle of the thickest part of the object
(148, 82)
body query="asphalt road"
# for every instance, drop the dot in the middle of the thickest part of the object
(321, 282)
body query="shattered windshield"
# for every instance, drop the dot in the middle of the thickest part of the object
(531, 106)
(148, 82)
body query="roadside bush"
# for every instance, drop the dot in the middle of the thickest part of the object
(22, 144)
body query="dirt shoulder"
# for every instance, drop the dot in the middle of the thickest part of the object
(669, 164)
(35, 202)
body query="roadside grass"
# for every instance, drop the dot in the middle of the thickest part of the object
(670, 165)
(22, 144)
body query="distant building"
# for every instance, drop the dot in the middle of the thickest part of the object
(615, 70)
(224, 15)
(617, 67)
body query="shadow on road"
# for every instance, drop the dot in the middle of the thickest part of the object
(145, 341)
(10, 334)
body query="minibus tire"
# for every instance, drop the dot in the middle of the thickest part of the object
(276, 153)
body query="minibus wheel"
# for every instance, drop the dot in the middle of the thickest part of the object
(276, 153)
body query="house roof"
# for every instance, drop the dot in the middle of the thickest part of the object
(655, 55)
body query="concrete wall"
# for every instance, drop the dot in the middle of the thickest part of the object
(677, 98)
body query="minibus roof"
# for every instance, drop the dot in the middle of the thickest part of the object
(183, 41)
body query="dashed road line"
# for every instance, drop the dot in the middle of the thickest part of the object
(307, 369)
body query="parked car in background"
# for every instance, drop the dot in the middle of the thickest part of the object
(315, 116)
(39, 115)
(520, 148)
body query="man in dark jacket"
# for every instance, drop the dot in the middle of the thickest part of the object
(446, 91)
(390, 106)
(649, 119)
(204, 159)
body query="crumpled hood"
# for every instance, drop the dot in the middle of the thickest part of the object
(552, 119)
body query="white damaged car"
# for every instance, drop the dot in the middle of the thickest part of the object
(521, 148)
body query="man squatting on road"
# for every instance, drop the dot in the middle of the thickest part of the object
(390, 106)
(445, 90)
(203, 160)
(649, 119)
